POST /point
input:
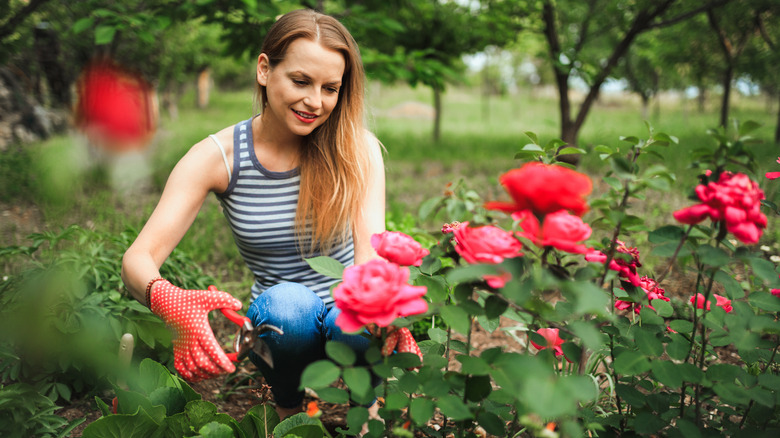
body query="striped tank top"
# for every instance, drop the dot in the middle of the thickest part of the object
(260, 206)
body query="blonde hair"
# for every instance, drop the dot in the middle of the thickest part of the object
(334, 157)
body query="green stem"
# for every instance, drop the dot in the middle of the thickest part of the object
(674, 256)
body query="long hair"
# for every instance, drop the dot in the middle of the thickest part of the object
(334, 157)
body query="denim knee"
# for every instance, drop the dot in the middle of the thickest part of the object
(298, 311)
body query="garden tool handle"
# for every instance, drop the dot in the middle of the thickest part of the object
(234, 316)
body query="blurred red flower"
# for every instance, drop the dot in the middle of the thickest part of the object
(544, 188)
(722, 302)
(734, 200)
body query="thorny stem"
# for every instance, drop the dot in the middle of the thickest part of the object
(674, 256)
(618, 228)
(703, 351)
(615, 376)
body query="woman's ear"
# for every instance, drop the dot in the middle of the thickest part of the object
(263, 68)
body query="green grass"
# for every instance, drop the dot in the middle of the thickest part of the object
(71, 183)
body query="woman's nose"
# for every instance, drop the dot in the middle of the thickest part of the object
(313, 99)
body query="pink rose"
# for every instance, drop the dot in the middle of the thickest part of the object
(652, 292)
(486, 244)
(544, 188)
(560, 230)
(734, 200)
(625, 266)
(398, 248)
(720, 301)
(776, 292)
(376, 292)
(498, 281)
(554, 341)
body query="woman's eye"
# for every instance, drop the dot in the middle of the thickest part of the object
(299, 82)
(332, 90)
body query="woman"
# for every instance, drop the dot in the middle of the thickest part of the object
(301, 179)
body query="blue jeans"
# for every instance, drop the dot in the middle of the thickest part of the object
(307, 325)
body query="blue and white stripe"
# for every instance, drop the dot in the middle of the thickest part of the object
(260, 206)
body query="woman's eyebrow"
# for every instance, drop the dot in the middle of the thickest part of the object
(307, 77)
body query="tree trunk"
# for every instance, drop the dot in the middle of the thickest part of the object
(204, 87)
(437, 114)
(645, 105)
(701, 99)
(47, 48)
(724, 105)
(777, 128)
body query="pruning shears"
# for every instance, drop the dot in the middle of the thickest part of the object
(247, 339)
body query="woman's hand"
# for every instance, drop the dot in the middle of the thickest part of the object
(197, 354)
(399, 340)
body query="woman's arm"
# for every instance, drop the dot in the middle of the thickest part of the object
(372, 217)
(199, 172)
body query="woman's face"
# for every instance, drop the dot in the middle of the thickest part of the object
(303, 88)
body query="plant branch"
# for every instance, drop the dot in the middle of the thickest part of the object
(674, 256)
(12, 23)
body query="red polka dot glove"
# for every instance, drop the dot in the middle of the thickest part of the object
(402, 341)
(197, 354)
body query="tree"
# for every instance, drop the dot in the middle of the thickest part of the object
(734, 26)
(588, 39)
(762, 56)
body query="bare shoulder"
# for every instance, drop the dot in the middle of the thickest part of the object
(205, 159)
(375, 147)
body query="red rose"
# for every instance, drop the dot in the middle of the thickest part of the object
(544, 188)
(734, 200)
(398, 248)
(560, 230)
(651, 290)
(774, 175)
(626, 267)
(376, 292)
(486, 244)
(720, 301)
(554, 341)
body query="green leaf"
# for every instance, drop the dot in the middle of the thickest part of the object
(666, 373)
(495, 306)
(477, 388)
(356, 418)
(457, 318)
(603, 149)
(492, 423)
(748, 126)
(421, 410)
(82, 24)
(622, 167)
(765, 301)
(662, 308)
(571, 150)
(532, 136)
(259, 421)
(631, 363)
(531, 147)
(291, 424)
(647, 423)
(396, 401)
(667, 233)
(404, 360)
(648, 343)
(436, 288)
(454, 408)
(340, 352)
(327, 266)
(764, 269)
(473, 365)
(590, 335)
(319, 374)
(437, 334)
(104, 34)
(733, 289)
(630, 395)
(358, 380)
(216, 430)
(333, 395)
(681, 326)
(712, 256)
(732, 393)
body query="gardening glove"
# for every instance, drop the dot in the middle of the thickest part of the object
(399, 340)
(197, 354)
